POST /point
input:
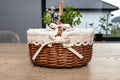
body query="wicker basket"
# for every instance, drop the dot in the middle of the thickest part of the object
(57, 56)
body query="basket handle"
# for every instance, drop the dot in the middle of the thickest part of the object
(60, 30)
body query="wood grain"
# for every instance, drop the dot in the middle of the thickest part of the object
(15, 65)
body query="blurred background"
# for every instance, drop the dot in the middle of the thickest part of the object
(20, 15)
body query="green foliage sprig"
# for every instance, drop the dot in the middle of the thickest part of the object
(46, 19)
(71, 17)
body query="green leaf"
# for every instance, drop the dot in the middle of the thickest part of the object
(69, 15)
(46, 19)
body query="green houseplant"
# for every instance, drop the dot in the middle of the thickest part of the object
(69, 16)
(101, 28)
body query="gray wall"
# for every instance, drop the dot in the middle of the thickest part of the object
(20, 15)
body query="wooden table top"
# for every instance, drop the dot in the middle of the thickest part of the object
(15, 64)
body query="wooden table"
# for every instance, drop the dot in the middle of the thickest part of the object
(15, 65)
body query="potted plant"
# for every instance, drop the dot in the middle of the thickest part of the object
(101, 28)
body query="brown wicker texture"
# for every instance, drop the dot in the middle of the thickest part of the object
(59, 57)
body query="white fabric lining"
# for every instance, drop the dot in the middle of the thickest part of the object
(77, 37)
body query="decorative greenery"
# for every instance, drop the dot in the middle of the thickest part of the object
(71, 17)
(50, 16)
(47, 18)
(68, 17)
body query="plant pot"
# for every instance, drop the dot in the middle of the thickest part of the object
(98, 37)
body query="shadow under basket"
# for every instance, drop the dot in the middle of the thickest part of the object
(59, 57)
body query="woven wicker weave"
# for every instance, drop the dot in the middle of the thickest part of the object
(59, 57)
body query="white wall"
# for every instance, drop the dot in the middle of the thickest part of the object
(90, 17)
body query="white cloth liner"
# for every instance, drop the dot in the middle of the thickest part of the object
(78, 36)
